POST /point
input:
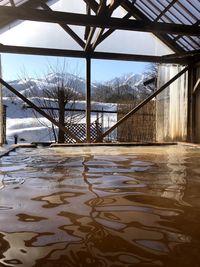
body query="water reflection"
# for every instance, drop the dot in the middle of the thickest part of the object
(134, 209)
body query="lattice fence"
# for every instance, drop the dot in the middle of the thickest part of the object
(79, 130)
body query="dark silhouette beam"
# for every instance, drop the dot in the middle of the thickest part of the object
(182, 58)
(22, 13)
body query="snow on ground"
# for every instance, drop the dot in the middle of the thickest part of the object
(22, 122)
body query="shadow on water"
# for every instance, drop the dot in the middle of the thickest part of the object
(130, 208)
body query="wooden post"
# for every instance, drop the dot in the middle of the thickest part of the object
(1, 111)
(88, 98)
(191, 104)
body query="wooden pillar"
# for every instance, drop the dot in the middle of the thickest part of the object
(1, 111)
(191, 106)
(88, 98)
(194, 106)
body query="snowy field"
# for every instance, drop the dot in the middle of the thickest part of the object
(22, 122)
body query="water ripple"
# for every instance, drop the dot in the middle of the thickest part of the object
(137, 209)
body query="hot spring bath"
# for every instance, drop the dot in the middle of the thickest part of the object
(100, 206)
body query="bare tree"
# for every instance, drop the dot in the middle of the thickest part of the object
(57, 90)
(152, 74)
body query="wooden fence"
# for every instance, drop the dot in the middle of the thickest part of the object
(140, 127)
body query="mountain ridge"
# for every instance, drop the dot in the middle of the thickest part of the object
(134, 81)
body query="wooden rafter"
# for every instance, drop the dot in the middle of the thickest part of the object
(12, 2)
(87, 28)
(102, 7)
(180, 13)
(139, 15)
(168, 17)
(99, 37)
(113, 5)
(142, 58)
(92, 4)
(165, 10)
(187, 10)
(102, 36)
(197, 23)
(101, 13)
(95, 21)
(89, 39)
(29, 4)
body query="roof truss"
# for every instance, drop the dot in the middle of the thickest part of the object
(174, 33)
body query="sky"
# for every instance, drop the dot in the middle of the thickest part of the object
(36, 34)
(23, 66)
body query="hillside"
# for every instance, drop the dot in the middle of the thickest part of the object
(22, 122)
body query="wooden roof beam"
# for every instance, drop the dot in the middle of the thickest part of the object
(95, 21)
(165, 10)
(25, 50)
(100, 12)
(145, 58)
(102, 36)
(95, 55)
(113, 5)
(87, 28)
(193, 53)
(102, 7)
(12, 2)
(89, 39)
(92, 4)
(31, 3)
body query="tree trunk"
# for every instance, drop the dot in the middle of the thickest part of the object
(61, 103)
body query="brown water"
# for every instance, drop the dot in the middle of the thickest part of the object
(100, 207)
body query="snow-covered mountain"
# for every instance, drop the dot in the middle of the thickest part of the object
(127, 78)
(134, 82)
(37, 85)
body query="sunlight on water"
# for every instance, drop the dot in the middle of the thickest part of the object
(100, 206)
